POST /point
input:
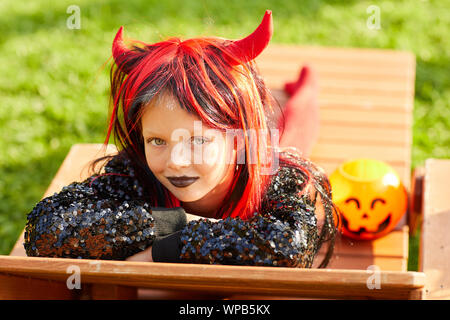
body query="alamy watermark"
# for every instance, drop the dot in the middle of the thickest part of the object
(74, 20)
(185, 152)
(374, 280)
(74, 280)
(374, 20)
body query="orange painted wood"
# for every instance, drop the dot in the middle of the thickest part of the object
(388, 253)
(28, 287)
(357, 262)
(292, 282)
(435, 240)
(14, 287)
(18, 249)
(393, 245)
(101, 291)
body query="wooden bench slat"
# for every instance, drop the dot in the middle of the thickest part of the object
(15, 287)
(370, 88)
(336, 69)
(337, 94)
(339, 100)
(351, 151)
(434, 255)
(357, 262)
(389, 252)
(341, 97)
(361, 57)
(363, 134)
(363, 117)
(392, 245)
(218, 278)
(355, 105)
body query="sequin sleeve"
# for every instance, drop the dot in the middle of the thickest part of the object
(283, 234)
(103, 217)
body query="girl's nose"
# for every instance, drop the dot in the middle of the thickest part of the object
(180, 156)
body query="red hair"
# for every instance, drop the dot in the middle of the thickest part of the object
(198, 73)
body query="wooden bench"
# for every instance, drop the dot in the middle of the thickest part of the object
(434, 258)
(366, 99)
(366, 102)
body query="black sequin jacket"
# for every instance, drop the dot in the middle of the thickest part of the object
(106, 217)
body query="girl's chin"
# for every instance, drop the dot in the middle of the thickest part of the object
(187, 196)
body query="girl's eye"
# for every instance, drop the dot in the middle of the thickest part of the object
(156, 141)
(199, 140)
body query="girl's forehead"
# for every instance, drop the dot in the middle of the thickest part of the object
(166, 100)
(164, 115)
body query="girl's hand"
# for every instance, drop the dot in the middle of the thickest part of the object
(145, 256)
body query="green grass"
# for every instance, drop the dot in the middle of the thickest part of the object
(54, 86)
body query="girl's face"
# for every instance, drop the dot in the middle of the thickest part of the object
(189, 158)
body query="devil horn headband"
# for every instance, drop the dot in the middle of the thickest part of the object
(251, 46)
(244, 50)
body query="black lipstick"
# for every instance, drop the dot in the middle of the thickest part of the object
(182, 182)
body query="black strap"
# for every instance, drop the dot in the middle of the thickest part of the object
(168, 220)
(168, 248)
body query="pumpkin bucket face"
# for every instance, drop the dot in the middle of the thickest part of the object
(370, 196)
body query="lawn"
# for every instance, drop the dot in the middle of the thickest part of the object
(55, 81)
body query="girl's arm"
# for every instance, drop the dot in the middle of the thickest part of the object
(171, 242)
(285, 233)
(104, 217)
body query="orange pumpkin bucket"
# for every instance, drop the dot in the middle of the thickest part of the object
(370, 196)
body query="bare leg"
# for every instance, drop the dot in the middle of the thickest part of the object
(301, 113)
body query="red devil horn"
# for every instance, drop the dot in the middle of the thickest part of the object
(119, 48)
(250, 47)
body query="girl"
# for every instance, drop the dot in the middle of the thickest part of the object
(194, 123)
